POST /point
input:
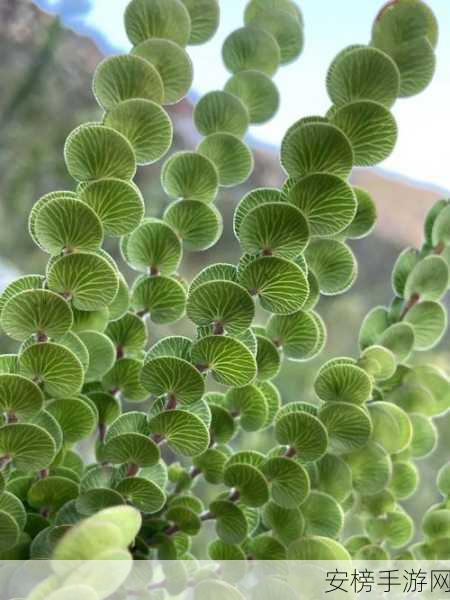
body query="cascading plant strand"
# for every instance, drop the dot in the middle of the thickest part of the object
(167, 411)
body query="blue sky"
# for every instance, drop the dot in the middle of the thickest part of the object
(422, 152)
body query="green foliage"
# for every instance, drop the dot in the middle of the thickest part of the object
(86, 370)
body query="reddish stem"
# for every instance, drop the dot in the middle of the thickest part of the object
(132, 470)
(291, 451)
(409, 305)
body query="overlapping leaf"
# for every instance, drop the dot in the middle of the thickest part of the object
(94, 151)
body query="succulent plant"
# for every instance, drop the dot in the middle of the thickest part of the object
(166, 414)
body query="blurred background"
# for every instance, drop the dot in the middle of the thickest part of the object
(49, 50)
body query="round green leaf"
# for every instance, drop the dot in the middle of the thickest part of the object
(223, 304)
(405, 21)
(287, 524)
(174, 345)
(297, 335)
(146, 125)
(128, 335)
(405, 480)
(288, 481)
(173, 65)
(27, 282)
(68, 225)
(211, 463)
(92, 501)
(214, 272)
(205, 15)
(166, 19)
(75, 416)
(250, 483)
(323, 515)
(232, 158)
(9, 531)
(229, 360)
(371, 129)
(257, 7)
(305, 433)
(54, 367)
(428, 279)
(416, 62)
(190, 176)
(121, 303)
(431, 218)
(108, 407)
(197, 224)
(268, 359)
(30, 447)
(429, 322)
(153, 246)
(343, 383)
(316, 148)
(399, 339)
(19, 396)
(436, 523)
(119, 78)
(218, 550)
(424, 436)
(185, 433)
(95, 320)
(371, 469)
(128, 422)
(317, 548)
(250, 201)
(12, 506)
(335, 477)
(257, 92)
(145, 495)
(36, 312)
(274, 228)
(231, 524)
(88, 280)
(221, 112)
(404, 264)
(163, 298)
(94, 151)
(334, 265)
(348, 426)
(102, 354)
(174, 377)
(440, 233)
(52, 492)
(365, 217)
(123, 77)
(443, 479)
(251, 48)
(132, 448)
(273, 400)
(118, 204)
(327, 201)
(281, 285)
(223, 426)
(47, 422)
(363, 73)
(125, 377)
(185, 519)
(287, 31)
(436, 383)
(378, 362)
(250, 405)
